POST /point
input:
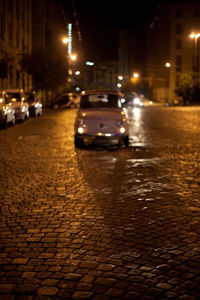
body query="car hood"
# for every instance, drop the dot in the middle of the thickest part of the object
(101, 114)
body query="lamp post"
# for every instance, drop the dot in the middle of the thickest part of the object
(168, 66)
(194, 36)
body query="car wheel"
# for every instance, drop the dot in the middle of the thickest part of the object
(13, 121)
(78, 142)
(5, 124)
(126, 141)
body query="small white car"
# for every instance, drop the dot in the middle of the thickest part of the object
(17, 97)
(7, 112)
(101, 120)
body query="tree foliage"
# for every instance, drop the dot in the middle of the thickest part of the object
(48, 68)
(188, 89)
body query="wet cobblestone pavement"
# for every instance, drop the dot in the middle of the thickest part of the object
(101, 223)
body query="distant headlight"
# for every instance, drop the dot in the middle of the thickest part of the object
(136, 101)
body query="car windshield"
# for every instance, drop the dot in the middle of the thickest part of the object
(14, 97)
(100, 101)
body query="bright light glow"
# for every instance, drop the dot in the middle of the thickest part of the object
(73, 57)
(120, 77)
(167, 65)
(136, 101)
(80, 130)
(77, 73)
(65, 40)
(194, 35)
(136, 75)
(89, 63)
(78, 89)
(122, 130)
(123, 100)
(1, 100)
(119, 85)
(69, 39)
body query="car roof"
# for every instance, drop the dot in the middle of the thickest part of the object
(101, 92)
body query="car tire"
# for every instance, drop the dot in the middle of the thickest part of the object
(78, 142)
(5, 124)
(13, 121)
(126, 141)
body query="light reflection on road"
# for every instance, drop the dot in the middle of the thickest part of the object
(136, 130)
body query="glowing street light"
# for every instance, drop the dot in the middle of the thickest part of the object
(194, 36)
(136, 75)
(73, 57)
(65, 40)
(120, 77)
(167, 65)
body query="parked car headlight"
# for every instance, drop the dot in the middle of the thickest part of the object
(80, 129)
(122, 130)
(121, 127)
(23, 108)
(136, 101)
(81, 125)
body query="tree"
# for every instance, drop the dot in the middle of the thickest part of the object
(47, 67)
(184, 88)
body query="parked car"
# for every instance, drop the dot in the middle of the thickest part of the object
(34, 104)
(101, 119)
(7, 112)
(133, 100)
(17, 97)
(67, 100)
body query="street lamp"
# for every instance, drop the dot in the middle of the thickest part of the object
(136, 75)
(73, 57)
(167, 65)
(194, 36)
(120, 77)
(65, 40)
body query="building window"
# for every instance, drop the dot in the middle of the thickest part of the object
(178, 63)
(178, 28)
(178, 44)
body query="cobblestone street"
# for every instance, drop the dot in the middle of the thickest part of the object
(101, 223)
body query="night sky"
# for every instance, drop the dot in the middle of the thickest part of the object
(100, 20)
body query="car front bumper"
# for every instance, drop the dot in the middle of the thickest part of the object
(101, 138)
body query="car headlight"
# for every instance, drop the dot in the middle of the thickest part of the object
(136, 101)
(81, 124)
(80, 130)
(122, 130)
(121, 127)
